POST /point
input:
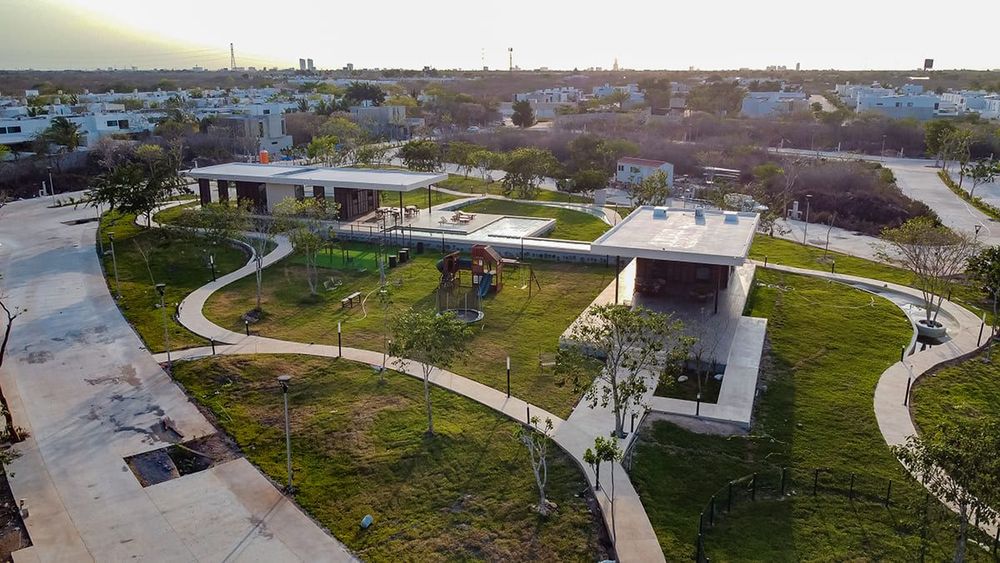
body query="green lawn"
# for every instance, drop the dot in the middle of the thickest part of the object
(815, 412)
(515, 324)
(570, 224)
(177, 259)
(789, 253)
(965, 391)
(358, 448)
(476, 185)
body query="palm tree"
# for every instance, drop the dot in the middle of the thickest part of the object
(63, 132)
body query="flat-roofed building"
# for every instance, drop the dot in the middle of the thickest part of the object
(355, 189)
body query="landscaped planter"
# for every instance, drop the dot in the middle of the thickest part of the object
(930, 329)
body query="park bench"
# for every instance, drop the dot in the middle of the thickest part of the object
(349, 300)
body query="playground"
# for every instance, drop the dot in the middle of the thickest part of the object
(520, 319)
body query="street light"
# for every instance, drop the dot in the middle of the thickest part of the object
(52, 189)
(979, 227)
(283, 382)
(114, 261)
(805, 231)
(161, 288)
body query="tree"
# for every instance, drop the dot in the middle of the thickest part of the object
(652, 190)
(618, 97)
(955, 146)
(982, 171)
(370, 155)
(959, 465)
(525, 167)
(63, 132)
(935, 132)
(524, 115)
(365, 91)
(139, 185)
(718, 98)
(432, 340)
(11, 313)
(484, 161)
(933, 253)
(536, 439)
(588, 181)
(636, 344)
(460, 153)
(324, 149)
(984, 268)
(605, 449)
(422, 155)
(343, 129)
(306, 223)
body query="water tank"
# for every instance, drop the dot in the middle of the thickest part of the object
(265, 157)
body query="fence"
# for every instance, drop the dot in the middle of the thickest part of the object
(926, 527)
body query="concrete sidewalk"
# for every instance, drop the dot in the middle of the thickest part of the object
(81, 382)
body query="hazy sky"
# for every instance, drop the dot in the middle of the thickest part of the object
(707, 34)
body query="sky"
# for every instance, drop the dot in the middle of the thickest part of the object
(465, 34)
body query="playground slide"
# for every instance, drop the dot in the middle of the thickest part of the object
(484, 284)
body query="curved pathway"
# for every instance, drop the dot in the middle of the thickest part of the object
(890, 401)
(625, 516)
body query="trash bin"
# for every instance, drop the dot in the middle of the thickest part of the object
(392, 260)
(420, 247)
(404, 255)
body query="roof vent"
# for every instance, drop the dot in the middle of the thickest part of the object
(659, 213)
(731, 218)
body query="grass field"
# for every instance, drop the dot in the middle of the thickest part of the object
(815, 412)
(781, 251)
(515, 324)
(358, 447)
(957, 393)
(179, 260)
(475, 185)
(417, 198)
(570, 224)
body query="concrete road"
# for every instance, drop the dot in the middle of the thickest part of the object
(79, 380)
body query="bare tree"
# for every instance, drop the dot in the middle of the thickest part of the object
(11, 313)
(536, 439)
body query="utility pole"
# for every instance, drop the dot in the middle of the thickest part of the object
(232, 58)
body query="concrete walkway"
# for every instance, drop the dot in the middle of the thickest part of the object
(79, 379)
(890, 401)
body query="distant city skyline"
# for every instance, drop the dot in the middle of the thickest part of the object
(88, 34)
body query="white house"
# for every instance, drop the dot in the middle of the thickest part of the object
(766, 104)
(900, 106)
(634, 170)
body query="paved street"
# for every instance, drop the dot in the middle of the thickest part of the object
(79, 379)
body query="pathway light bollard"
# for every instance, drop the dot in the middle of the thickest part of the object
(981, 327)
(909, 383)
(833, 266)
(902, 353)
(283, 382)
(697, 405)
(161, 288)
(213, 346)
(508, 377)
(246, 324)
(340, 347)
(211, 262)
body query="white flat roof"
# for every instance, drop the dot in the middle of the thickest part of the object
(715, 237)
(354, 178)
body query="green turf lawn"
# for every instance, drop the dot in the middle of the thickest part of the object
(964, 391)
(815, 412)
(514, 324)
(171, 215)
(789, 253)
(476, 185)
(358, 447)
(177, 259)
(570, 224)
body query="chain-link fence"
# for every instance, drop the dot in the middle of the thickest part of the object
(927, 529)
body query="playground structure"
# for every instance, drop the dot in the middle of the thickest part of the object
(485, 266)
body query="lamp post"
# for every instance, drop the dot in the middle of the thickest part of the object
(114, 261)
(805, 231)
(979, 227)
(52, 189)
(508, 377)
(211, 262)
(161, 288)
(283, 382)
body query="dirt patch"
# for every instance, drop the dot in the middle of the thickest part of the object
(39, 357)
(127, 375)
(13, 534)
(171, 462)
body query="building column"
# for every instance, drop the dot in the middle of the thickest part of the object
(205, 190)
(223, 190)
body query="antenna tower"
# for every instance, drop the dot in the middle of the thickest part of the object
(510, 53)
(232, 58)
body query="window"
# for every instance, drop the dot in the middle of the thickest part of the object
(3, 130)
(123, 124)
(112, 123)
(621, 167)
(12, 130)
(634, 169)
(267, 112)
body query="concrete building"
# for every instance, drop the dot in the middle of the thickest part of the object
(302, 64)
(266, 185)
(636, 96)
(967, 101)
(768, 104)
(561, 94)
(632, 170)
(389, 122)
(93, 126)
(261, 125)
(309, 65)
(900, 106)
